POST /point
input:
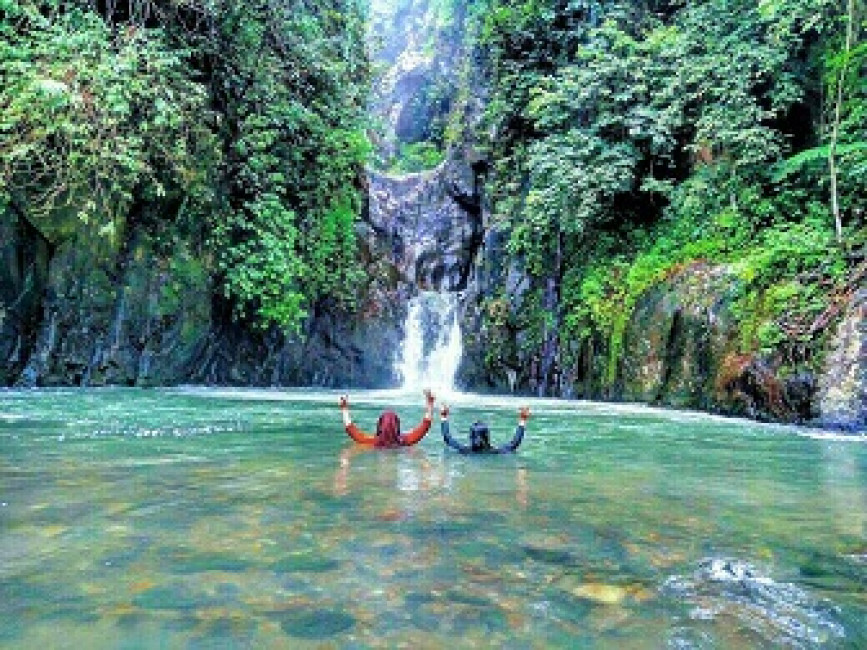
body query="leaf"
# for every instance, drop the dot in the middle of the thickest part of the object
(816, 154)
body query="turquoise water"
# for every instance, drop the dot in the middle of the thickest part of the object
(195, 518)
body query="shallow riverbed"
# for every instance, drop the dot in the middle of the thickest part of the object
(199, 518)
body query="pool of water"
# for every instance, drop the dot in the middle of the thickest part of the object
(198, 518)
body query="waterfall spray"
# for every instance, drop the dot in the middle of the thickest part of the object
(431, 351)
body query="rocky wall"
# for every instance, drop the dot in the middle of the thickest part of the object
(91, 313)
(24, 258)
(682, 347)
(842, 390)
(427, 224)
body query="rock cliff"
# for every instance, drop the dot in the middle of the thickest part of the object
(83, 313)
(78, 311)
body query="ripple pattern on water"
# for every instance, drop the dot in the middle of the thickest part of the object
(781, 613)
(197, 518)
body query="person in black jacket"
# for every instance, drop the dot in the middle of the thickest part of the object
(480, 439)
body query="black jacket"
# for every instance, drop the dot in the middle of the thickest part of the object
(467, 449)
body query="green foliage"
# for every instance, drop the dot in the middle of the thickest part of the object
(263, 268)
(94, 121)
(778, 267)
(296, 115)
(818, 156)
(244, 122)
(416, 157)
(637, 138)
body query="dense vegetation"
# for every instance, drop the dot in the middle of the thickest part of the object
(417, 46)
(236, 127)
(629, 139)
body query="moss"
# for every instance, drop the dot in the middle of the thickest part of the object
(790, 275)
(416, 157)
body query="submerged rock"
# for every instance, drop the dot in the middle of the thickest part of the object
(171, 597)
(738, 595)
(199, 562)
(601, 593)
(304, 623)
(305, 562)
(550, 555)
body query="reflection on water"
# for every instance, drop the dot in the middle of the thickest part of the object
(206, 519)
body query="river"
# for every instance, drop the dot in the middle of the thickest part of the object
(206, 518)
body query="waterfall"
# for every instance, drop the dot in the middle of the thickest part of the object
(431, 350)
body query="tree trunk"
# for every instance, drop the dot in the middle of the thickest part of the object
(835, 127)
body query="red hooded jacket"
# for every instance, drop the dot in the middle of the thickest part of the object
(388, 432)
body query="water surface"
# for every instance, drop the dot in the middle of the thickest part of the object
(194, 518)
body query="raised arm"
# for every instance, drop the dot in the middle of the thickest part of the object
(515, 442)
(354, 432)
(419, 432)
(447, 436)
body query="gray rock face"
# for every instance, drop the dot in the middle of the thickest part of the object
(124, 317)
(843, 384)
(89, 314)
(24, 255)
(676, 338)
(682, 347)
(431, 222)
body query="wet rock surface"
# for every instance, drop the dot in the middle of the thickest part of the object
(86, 313)
(843, 392)
(432, 223)
(763, 609)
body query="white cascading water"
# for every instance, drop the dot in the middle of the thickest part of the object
(431, 351)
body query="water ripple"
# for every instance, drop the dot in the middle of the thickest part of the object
(778, 612)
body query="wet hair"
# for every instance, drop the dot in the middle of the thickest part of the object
(480, 437)
(388, 430)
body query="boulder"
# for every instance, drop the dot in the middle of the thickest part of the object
(677, 334)
(843, 381)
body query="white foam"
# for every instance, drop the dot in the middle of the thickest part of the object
(778, 611)
(432, 349)
(830, 436)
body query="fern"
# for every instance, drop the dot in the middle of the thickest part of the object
(817, 154)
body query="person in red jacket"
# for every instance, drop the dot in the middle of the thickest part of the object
(388, 426)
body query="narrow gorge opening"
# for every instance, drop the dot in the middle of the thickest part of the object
(423, 201)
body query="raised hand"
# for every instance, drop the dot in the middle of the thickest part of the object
(524, 413)
(343, 402)
(444, 411)
(429, 396)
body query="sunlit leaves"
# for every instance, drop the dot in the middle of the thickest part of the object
(295, 80)
(93, 121)
(245, 120)
(655, 133)
(262, 267)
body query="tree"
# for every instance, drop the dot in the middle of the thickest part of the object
(840, 84)
(94, 121)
